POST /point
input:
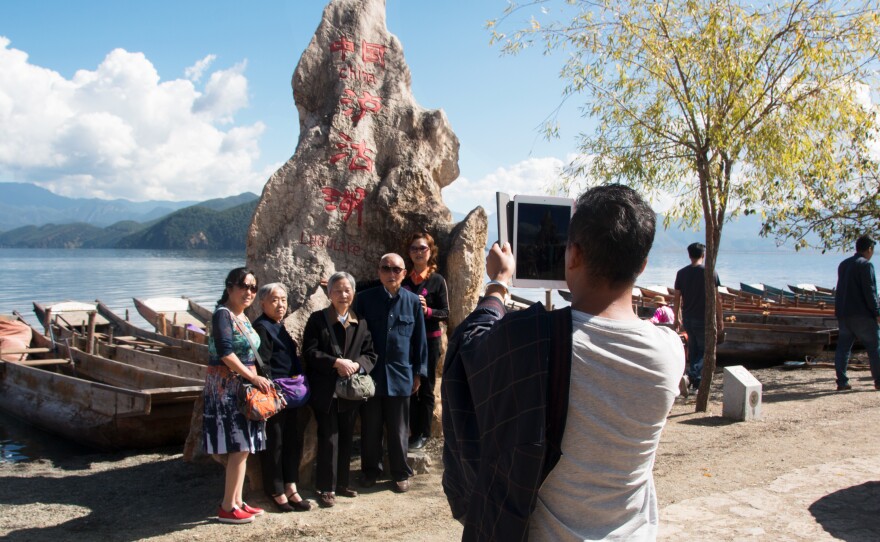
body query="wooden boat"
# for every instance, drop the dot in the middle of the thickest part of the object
(71, 315)
(771, 343)
(812, 292)
(121, 331)
(99, 402)
(178, 317)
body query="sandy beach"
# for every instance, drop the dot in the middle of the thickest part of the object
(808, 470)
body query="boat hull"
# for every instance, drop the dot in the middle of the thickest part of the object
(771, 344)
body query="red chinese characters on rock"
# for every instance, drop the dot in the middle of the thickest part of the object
(342, 45)
(346, 202)
(357, 107)
(371, 53)
(360, 161)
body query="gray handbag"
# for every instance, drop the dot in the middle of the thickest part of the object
(357, 387)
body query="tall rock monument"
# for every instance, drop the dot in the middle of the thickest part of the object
(367, 171)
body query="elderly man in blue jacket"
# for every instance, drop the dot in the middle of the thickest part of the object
(397, 324)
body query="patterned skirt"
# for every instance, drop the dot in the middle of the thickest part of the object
(224, 427)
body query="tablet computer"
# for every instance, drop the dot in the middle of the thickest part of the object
(540, 235)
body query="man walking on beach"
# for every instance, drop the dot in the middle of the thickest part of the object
(857, 311)
(690, 311)
(396, 322)
(551, 420)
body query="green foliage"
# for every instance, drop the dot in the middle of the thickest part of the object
(725, 105)
(196, 227)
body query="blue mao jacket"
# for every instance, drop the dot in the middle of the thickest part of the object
(397, 325)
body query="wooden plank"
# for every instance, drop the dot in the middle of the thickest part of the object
(123, 375)
(19, 351)
(42, 362)
(154, 362)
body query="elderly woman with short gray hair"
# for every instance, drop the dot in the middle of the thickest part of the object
(284, 431)
(326, 363)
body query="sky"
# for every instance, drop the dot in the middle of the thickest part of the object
(191, 100)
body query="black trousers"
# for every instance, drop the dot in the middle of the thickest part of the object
(335, 433)
(421, 406)
(284, 444)
(391, 414)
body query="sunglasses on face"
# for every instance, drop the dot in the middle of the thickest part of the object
(421, 248)
(392, 269)
(251, 287)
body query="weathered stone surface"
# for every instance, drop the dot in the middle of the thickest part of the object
(367, 172)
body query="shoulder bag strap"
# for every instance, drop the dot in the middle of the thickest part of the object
(558, 382)
(333, 342)
(261, 367)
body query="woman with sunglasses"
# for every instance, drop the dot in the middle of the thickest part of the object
(424, 281)
(226, 431)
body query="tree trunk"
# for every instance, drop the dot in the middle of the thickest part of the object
(713, 215)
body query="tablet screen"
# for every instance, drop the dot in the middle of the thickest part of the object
(541, 234)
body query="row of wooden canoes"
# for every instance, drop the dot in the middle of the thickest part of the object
(99, 380)
(759, 329)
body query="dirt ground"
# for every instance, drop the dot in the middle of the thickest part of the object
(157, 496)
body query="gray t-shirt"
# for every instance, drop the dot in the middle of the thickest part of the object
(624, 379)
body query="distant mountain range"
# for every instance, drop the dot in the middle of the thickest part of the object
(37, 218)
(58, 222)
(23, 204)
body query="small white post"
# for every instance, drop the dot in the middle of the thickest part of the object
(742, 394)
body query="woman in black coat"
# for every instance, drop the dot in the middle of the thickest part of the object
(280, 460)
(335, 417)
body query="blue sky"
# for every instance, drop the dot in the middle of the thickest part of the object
(191, 100)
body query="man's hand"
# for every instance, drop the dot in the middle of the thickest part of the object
(417, 383)
(500, 263)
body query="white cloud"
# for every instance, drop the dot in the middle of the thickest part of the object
(119, 131)
(533, 176)
(194, 73)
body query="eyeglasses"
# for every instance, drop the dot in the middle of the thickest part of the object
(392, 269)
(421, 248)
(251, 287)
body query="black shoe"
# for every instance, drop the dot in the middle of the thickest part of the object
(401, 487)
(417, 443)
(843, 387)
(367, 481)
(346, 492)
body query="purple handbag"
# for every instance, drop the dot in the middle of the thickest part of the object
(295, 390)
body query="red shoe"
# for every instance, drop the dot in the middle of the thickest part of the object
(252, 510)
(236, 515)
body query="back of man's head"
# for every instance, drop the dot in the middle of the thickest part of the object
(864, 243)
(696, 250)
(614, 228)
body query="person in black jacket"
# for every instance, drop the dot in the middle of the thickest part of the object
(858, 312)
(280, 460)
(424, 281)
(335, 417)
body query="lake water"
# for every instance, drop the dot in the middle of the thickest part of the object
(115, 276)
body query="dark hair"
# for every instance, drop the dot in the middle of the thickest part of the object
(696, 250)
(432, 261)
(864, 242)
(234, 278)
(614, 227)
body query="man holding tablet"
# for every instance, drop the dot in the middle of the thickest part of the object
(552, 419)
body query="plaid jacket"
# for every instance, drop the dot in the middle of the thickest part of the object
(502, 425)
